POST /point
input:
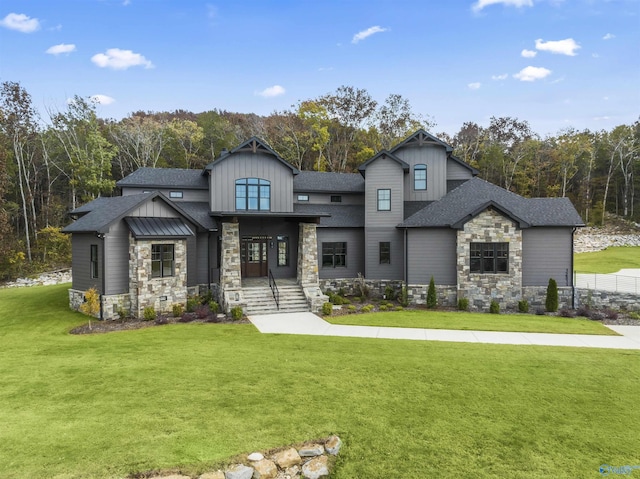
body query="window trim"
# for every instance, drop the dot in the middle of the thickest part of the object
(384, 250)
(336, 198)
(176, 194)
(282, 240)
(163, 249)
(94, 265)
(380, 199)
(335, 250)
(262, 195)
(420, 167)
(304, 198)
(489, 258)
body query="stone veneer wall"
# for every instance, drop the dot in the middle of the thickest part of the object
(230, 268)
(307, 268)
(147, 291)
(490, 227)
(607, 299)
(447, 295)
(536, 296)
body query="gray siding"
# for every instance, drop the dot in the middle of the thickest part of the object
(250, 165)
(354, 237)
(435, 157)
(202, 265)
(384, 173)
(455, 171)
(373, 268)
(117, 259)
(80, 262)
(546, 253)
(158, 209)
(325, 198)
(187, 195)
(432, 252)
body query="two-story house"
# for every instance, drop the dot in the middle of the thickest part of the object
(411, 213)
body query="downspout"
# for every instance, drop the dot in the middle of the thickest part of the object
(104, 274)
(406, 258)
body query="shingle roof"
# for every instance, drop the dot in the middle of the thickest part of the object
(199, 211)
(329, 182)
(253, 145)
(342, 216)
(383, 154)
(87, 207)
(143, 227)
(421, 137)
(166, 178)
(473, 196)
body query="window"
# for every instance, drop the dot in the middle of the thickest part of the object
(420, 177)
(93, 265)
(253, 194)
(334, 255)
(489, 258)
(384, 200)
(161, 260)
(175, 194)
(283, 251)
(336, 199)
(303, 197)
(385, 252)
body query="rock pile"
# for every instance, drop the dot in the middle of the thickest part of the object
(44, 279)
(592, 239)
(310, 461)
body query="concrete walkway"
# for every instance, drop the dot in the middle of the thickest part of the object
(310, 324)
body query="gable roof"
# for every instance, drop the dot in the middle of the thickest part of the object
(183, 178)
(419, 138)
(109, 210)
(476, 195)
(457, 160)
(383, 154)
(328, 182)
(252, 145)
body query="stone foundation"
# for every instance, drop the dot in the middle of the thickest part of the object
(111, 304)
(536, 296)
(607, 299)
(447, 295)
(376, 287)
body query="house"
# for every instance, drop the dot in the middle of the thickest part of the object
(409, 214)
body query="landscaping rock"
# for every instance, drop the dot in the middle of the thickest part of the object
(212, 475)
(311, 450)
(316, 468)
(265, 469)
(333, 445)
(287, 458)
(172, 476)
(239, 471)
(255, 456)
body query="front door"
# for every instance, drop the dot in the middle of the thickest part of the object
(254, 258)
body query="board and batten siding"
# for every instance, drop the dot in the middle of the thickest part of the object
(187, 194)
(250, 165)
(435, 157)
(117, 259)
(373, 268)
(547, 253)
(431, 252)
(455, 171)
(325, 198)
(384, 173)
(354, 237)
(81, 261)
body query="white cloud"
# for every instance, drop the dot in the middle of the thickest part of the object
(474, 85)
(212, 11)
(601, 118)
(62, 48)
(126, 3)
(20, 22)
(608, 36)
(103, 99)
(504, 76)
(275, 90)
(480, 4)
(561, 47)
(367, 33)
(120, 59)
(528, 53)
(532, 73)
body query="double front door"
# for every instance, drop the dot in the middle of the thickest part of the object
(253, 254)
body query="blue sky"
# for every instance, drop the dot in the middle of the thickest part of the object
(554, 63)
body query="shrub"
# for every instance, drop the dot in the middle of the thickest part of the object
(351, 308)
(367, 308)
(583, 311)
(540, 311)
(432, 298)
(404, 297)
(551, 302)
(187, 317)
(611, 314)
(327, 309)
(597, 315)
(463, 304)
(91, 305)
(214, 307)
(357, 298)
(494, 307)
(398, 308)
(202, 311)
(567, 313)
(389, 293)
(177, 309)
(237, 313)
(207, 297)
(361, 287)
(122, 314)
(149, 313)
(383, 307)
(523, 306)
(161, 320)
(192, 303)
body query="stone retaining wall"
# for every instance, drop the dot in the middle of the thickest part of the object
(607, 299)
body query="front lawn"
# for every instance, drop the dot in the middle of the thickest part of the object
(525, 323)
(192, 395)
(610, 260)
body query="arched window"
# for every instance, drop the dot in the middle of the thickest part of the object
(253, 194)
(420, 177)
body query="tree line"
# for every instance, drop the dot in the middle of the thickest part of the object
(54, 161)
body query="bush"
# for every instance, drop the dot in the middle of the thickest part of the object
(367, 308)
(540, 311)
(404, 297)
(207, 297)
(91, 305)
(583, 311)
(634, 314)
(237, 313)
(149, 313)
(494, 307)
(361, 287)
(214, 307)
(122, 314)
(357, 298)
(551, 302)
(202, 311)
(187, 317)
(463, 304)
(192, 303)
(398, 308)
(597, 315)
(389, 293)
(351, 308)
(161, 320)
(383, 307)
(177, 309)
(567, 313)
(432, 298)
(611, 314)
(327, 309)
(523, 306)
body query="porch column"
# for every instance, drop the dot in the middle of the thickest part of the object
(308, 255)
(230, 276)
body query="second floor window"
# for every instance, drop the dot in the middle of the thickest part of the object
(420, 177)
(384, 200)
(253, 194)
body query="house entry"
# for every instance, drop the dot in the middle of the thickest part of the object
(253, 256)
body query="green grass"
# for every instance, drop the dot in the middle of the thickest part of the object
(191, 395)
(610, 260)
(528, 323)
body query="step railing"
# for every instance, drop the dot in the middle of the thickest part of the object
(274, 289)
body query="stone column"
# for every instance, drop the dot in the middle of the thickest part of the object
(308, 266)
(230, 268)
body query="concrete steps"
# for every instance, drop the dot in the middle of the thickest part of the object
(260, 300)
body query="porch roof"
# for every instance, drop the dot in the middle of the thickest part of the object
(144, 227)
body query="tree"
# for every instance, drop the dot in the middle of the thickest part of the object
(572, 149)
(395, 120)
(506, 137)
(551, 301)
(140, 141)
(187, 135)
(432, 298)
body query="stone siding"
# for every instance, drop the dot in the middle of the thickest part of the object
(307, 270)
(230, 269)
(447, 295)
(376, 287)
(607, 299)
(536, 296)
(480, 289)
